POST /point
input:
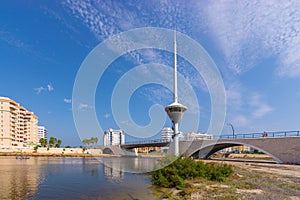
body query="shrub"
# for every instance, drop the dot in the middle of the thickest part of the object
(183, 169)
(36, 147)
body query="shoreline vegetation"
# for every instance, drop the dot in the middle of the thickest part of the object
(245, 181)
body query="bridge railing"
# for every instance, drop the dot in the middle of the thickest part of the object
(261, 135)
(231, 136)
(147, 141)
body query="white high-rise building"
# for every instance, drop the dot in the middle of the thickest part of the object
(166, 134)
(42, 132)
(113, 137)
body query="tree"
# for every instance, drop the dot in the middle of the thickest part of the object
(52, 141)
(92, 140)
(43, 142)
(84, 142)
(57, 145)
(36, 147)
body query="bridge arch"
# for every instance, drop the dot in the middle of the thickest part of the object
(108, 151)
(207, 150)
(282, 149)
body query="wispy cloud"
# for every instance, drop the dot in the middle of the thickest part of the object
(248, 30)
(261, 111)
(50, 87)
(66, 100)
(83, 106)
(249, 108)
(241, 121)
(40, 89)
(259, 107)
(107, 115)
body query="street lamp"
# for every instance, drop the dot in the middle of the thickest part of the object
(229, 124)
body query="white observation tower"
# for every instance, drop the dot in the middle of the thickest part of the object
(175, 110)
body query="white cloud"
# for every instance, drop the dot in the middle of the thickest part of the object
(248, 30)
(39, 89)
(106, 116)
(67, 100)
(82, 106)
(259, 107)
(241, 121)
(234, 95)
(50, 87)
(261, 111)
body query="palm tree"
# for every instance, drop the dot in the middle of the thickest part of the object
(96, 140)
(58, 143)
(43, 142)
(93, 140)
(52, 141)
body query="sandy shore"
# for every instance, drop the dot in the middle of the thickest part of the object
(253, 181)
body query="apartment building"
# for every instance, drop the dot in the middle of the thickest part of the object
(167, 134)
(42, 132)
(113, 137)
(18, 126)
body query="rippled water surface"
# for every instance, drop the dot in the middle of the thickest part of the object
(69, 178)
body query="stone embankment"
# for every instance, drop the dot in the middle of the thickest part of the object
(72, 152)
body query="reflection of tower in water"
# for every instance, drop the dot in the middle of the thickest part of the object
(112, 169)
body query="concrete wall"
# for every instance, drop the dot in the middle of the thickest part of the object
(53, 150)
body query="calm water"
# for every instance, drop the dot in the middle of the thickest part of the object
(71, 178)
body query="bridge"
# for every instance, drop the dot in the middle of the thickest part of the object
(283, 146)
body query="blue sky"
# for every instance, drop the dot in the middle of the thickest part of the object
(254, 44)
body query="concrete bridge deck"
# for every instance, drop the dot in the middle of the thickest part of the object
(284, 147)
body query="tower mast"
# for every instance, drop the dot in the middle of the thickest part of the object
(175, 110)
(175, 69)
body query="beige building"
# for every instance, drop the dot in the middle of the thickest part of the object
(18, 126)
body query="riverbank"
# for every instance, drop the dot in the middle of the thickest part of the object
(65, 152)
(52, 152)
(249, 181)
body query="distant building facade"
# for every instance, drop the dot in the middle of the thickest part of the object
(113, 137)
(18, 126)
(197, 136)
(42, 132)
(166, 134)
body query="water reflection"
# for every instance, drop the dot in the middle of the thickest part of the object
(129, 164)
(20, 178)
(73, 178)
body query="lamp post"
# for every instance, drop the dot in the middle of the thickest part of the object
(229, 124)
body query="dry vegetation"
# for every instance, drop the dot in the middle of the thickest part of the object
(249, 181)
